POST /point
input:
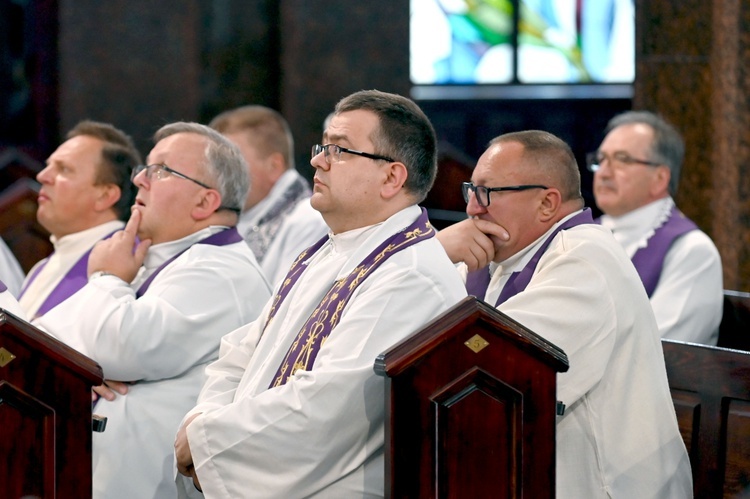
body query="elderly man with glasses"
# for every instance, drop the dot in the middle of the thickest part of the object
(293, 407)
(160, 295)
(564, 277)
(636, 169)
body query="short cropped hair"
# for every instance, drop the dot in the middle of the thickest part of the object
(223, 162)
(119, 157)
(552, 157)
(404, 134)
(267, 130)
(667, 147)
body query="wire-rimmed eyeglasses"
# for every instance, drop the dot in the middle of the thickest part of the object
(482, 193)
(595, 159)
(160, 171)
(333, 153)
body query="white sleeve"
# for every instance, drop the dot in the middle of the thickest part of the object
(579, 319)
(10, 271)
(302, 228)
(224, 374)
(173, 327)
(294, 440)
(688, 300)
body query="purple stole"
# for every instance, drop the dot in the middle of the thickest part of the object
(478, 280)
(223, 238)
(649, 260)
(3, 287)
(73, 280)
(304, 349)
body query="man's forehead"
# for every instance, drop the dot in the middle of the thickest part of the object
(351, 126)
(635, 134)
(78, 149)
(183, 145)
(500, 161)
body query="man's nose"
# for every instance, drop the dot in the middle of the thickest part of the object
(473, 208)
(319, 161)
(44, 176)
(141, 180)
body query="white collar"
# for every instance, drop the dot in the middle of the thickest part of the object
(633, 229)
(82, 241)
(254, 214)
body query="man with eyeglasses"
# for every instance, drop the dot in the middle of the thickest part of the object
(636, 170)
(293, 407)
(277, 221)
(565, 278)
(85, 196)
(160, 295)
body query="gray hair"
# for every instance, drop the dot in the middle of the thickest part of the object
(667, 146)
(404, 134)
(552, 157)
(223, 162)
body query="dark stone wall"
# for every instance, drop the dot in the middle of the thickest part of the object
(332, 49)
(142, 64)
(691, 67)
(133, 63)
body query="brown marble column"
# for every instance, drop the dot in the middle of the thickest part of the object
(691, 67)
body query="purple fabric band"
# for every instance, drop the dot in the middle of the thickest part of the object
(73, 280)
(3, 287)
(649, 260)
(223, 238)
(326, 316)
(518, 281)
(477, 282)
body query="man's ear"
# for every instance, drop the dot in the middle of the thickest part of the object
(549, 204)
(276, 166)
(109, 194)
(660, 185)
(395, 178)
(208, 203)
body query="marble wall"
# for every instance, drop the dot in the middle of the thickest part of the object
(141, 64)
(691, 67)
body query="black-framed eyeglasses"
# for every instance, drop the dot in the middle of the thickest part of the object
(595, 159)
(160, 171)
(333, 153)
(482, 193)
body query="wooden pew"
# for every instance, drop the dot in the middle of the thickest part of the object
(445, 202)
(734, 330)
(711, 392)
(19, 228)
(45, 414)
(16, 164)
(471, 408)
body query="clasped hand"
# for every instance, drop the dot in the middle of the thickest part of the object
(182, 452)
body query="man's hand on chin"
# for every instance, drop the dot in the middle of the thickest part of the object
(471, 241)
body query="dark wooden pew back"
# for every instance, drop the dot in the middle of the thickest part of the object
(711, 391)
(734, 330)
